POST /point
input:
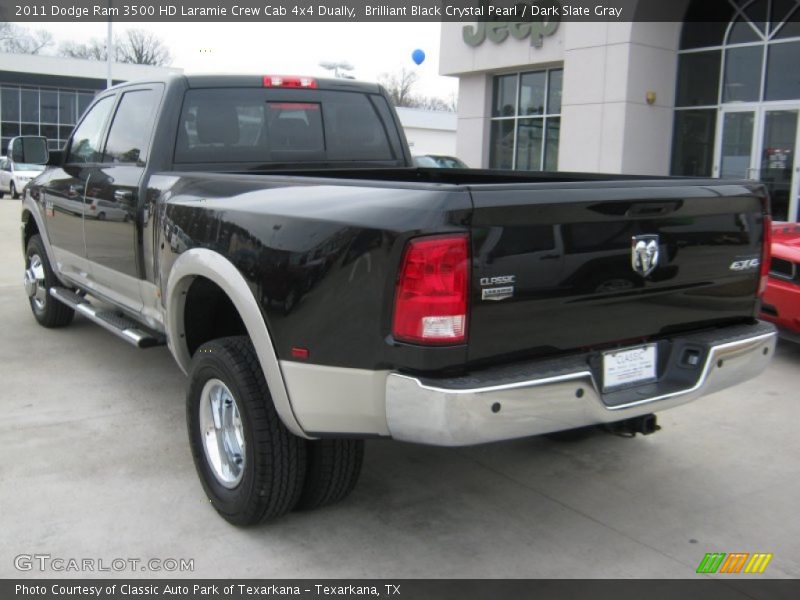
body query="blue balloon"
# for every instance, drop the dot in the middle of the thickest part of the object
(418, 56)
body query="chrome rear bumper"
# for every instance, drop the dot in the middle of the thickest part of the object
(451, 412)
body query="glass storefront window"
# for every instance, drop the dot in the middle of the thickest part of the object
(10, 129)
(526, 123)
(531, 94)
(693, 142)
(501, 154)
(706, 23)
(530, 134)
(67, 107)
(742, 32)
(29, 103)
(9, 103)
(48, 106)
(50, 112)
(505, 96)
(554, 92)
(50, 132)
(737, 57)
(737, 144)
(742, 81)
(84, 100)
(552, 136)
(782, 80)
(698, 78)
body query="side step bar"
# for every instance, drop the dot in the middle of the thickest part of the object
(121, 326)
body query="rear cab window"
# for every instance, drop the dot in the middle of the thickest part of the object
(256, 125)
(129, 136)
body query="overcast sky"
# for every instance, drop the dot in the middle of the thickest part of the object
(288, 48)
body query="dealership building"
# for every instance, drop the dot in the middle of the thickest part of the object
(45, 95)
(718, 98)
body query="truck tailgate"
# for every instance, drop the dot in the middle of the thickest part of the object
(554, 267)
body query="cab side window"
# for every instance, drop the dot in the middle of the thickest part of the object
(129, 136)
(86, 146)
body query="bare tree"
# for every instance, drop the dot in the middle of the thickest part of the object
(142, 48)
(400, 85)
(93, 50)
(401, 91)
(136, 46)
(20, 40)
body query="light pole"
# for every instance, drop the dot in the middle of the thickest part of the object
(109, 50)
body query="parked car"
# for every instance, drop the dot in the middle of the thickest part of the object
(781, 302)
(105, 209)
(318, 289)
(15, 176)
(438, 161)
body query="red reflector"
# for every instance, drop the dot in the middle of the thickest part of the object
(301, 353)
(430, 305)
(282, 81)
(766, 255)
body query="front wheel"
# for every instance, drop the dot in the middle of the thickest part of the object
(12, 190)
(252, 468)
(39, 278)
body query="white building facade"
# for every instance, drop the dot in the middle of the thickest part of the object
(429, 131)
(719, 98)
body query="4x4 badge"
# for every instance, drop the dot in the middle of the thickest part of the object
(644, 254)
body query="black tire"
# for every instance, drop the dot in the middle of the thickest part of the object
(101, 216)
(274, 459)
(12, 190)
(48, 311)
(332, 471)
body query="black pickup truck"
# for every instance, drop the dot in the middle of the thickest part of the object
(318, 289)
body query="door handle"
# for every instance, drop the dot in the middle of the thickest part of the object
(123, 195)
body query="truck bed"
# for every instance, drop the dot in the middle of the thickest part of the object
(331, 240)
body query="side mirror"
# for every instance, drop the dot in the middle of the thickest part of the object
(31, 149)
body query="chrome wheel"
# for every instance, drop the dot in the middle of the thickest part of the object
(222, 433)
(34, 282)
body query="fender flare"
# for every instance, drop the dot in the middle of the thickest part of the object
(30, 207)
(201, 262)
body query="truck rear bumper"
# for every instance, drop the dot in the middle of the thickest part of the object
(554, 395)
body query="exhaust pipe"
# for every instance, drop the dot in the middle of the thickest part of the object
(645, 424)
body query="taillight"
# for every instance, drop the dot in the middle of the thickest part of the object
(282, 81)
(766, 255)
(430, 303)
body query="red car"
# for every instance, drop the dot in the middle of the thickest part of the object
(781, 302)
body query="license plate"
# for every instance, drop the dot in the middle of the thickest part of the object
(629, 366)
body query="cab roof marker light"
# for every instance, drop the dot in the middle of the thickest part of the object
(283, 81)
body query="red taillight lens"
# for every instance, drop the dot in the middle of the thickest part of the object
(282, 81)
(766, 254)
(430, 303)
